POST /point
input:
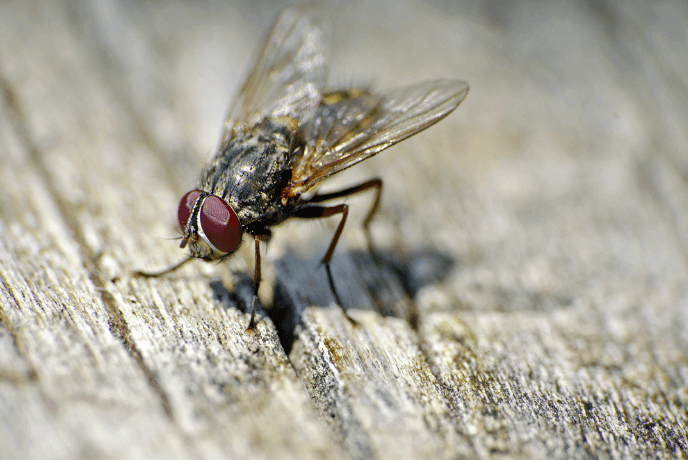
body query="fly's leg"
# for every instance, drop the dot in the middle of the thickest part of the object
(256, 283)
(372, 183)
(141, 274)
(317, 212)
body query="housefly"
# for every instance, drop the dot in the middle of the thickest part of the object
(285, 134)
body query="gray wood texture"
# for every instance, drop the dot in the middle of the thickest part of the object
(530, 295)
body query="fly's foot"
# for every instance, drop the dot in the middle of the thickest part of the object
(353, 322)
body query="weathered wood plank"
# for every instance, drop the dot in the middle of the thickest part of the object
(532, 247)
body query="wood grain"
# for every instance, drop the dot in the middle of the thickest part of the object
(527, 297)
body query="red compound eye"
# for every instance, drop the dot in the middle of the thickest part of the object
(220, 224)
(186, 206)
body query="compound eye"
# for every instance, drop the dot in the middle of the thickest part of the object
(220, 224)
(186, 206)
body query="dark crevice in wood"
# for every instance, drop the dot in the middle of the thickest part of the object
(117, 322)
(284, 316)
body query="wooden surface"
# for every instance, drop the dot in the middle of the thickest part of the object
(530, 300)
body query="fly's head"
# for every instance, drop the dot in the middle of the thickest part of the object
(209, 225)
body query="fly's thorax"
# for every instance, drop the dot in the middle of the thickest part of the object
(249, 172)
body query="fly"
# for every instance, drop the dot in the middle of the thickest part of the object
(285, 134)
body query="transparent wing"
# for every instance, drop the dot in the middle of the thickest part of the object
(288, 76)
(357, 125)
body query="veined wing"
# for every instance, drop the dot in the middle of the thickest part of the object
(358, 125)
(288, 76)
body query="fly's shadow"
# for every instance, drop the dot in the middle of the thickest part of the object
(386, 285)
